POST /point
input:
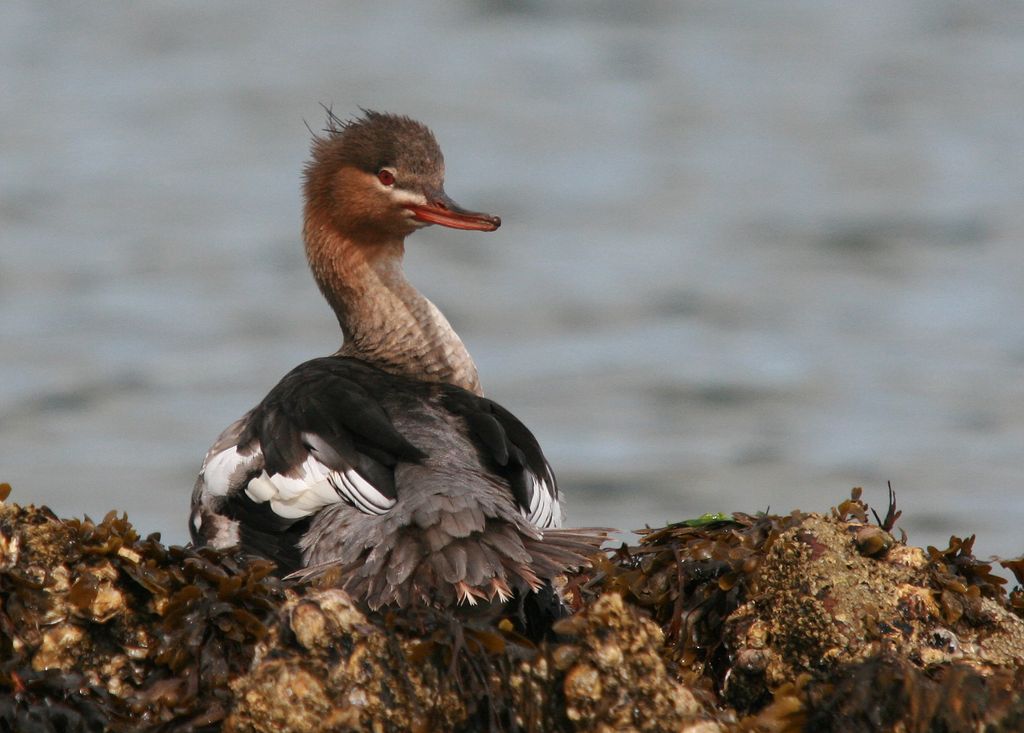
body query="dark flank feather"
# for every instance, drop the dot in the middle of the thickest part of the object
(264, 533)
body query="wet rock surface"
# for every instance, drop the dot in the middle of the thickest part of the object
(726, 623)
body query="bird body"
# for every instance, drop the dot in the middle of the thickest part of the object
(384, 461)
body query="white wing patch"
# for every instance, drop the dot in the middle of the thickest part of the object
(293, 497)
(545, 511)
(223, 471)
(314, 488)
(299, 496)
(361, 492)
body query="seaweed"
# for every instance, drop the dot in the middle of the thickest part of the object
(961, 581)
(743, 622)
(103, 630)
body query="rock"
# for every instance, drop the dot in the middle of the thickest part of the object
(749, 623)
(343, 673)
(619, 681)
(102, 630)
(817, 604)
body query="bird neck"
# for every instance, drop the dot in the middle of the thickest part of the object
(385, 320)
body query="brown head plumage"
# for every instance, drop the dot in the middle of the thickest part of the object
(382, 176)
(378, 140)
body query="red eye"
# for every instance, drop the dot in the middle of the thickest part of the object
(386, 177)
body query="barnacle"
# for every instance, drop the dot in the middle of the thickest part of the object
(616, 678)
(332, 669)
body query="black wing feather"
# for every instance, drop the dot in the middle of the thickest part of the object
(491, 434)
(322, 397)
(322, 407)
(503, 440)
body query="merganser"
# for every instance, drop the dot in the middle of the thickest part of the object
(385, 460)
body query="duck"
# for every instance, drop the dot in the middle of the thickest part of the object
(384, 462)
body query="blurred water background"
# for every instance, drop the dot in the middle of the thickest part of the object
(753, 254)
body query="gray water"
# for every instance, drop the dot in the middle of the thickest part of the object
(753, 254)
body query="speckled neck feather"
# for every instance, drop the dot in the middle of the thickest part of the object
(385, 320)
